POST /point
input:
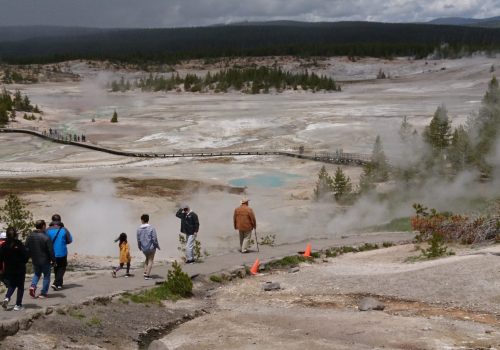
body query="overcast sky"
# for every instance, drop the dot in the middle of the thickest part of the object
(175, 13)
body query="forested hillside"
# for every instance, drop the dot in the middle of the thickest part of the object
(301, 39)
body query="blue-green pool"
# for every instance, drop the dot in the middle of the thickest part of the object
(269, 180)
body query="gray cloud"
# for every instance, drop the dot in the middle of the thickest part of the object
(175, 13)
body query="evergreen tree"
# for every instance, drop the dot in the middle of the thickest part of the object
(460, 153)
(405, 130)
(341, 185)
(438, 133)
(4, 118)
(379, 164)
(367, 179)
(323, 185)
(486, 126)
(114, 118)
(15, 214)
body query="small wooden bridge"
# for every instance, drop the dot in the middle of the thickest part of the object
(333, 158)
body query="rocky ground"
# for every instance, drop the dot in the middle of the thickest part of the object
(447, 303)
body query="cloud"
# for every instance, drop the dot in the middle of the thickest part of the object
(175, 13)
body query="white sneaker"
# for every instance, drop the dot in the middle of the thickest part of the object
(5, 302)
(18, 308)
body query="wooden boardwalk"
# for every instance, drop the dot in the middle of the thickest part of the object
(333, 158)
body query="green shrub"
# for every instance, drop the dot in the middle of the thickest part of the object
(178, 282)
(196, 250)
(436, 248)
(216, 278)
(268, 240)
(387, 244)
(367, 246)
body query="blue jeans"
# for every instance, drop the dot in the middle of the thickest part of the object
(190, 242)
(39, 269)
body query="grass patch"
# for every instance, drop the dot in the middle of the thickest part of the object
(287, 261)
(334, 252)
(94, 322)
(76, 314)
(167, 187)
(37, 184)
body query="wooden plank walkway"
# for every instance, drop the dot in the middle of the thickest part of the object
(333, 158)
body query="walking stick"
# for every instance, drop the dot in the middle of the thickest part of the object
(257, 240)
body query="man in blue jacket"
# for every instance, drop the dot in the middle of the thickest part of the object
(60, 237)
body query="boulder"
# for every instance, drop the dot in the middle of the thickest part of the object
(8, 328)
(157, 345)
(269, 286)
(368, 303)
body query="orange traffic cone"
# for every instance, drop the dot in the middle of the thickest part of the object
(255, 268)
(307, 253)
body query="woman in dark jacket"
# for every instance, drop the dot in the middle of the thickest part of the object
(14, 257)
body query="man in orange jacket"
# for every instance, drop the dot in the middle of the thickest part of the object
(244, 221)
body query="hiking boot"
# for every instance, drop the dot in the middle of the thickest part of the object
(113, 273)
(32, 291)
(190, 261)
(18, 308)
(43, 296)
(146, 277)
(5, 302)
(54, 287)
(128, 275)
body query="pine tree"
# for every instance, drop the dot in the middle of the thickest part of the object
(486, 126)
(438, 133)
(341, 185)
(405, 130)
(367, 179)
(460, 153)
(14, 214)
(323, 185)
(379, 164)
(114, 118)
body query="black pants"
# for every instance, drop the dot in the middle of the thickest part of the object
(121, 267)
(14, 281)
(59, 270)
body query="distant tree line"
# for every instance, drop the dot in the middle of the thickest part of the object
(304, 40)
(252, 80)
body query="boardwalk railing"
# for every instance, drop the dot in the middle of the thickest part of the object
(334, 158)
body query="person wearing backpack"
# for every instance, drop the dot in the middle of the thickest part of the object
(41, 252)
(60, 237)
(14, 257)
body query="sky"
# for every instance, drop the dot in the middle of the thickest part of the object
(188, 13)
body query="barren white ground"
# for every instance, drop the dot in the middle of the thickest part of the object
(450, 303)
(280, 189)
